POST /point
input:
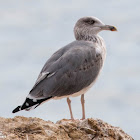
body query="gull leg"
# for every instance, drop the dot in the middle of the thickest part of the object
(69, 104)
(83, 106)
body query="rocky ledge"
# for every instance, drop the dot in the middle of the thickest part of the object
(22, 128)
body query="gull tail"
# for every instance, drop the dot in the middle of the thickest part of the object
(30, 104)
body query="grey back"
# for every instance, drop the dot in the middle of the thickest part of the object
(68, 70)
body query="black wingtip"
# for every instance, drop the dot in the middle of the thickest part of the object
(30, 103)
(16, 109)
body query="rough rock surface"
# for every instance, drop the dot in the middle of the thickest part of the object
(22, 128)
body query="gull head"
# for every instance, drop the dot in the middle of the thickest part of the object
(89, 26)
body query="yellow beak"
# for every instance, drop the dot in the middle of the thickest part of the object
(113, 28)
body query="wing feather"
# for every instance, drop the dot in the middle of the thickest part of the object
(75, 66)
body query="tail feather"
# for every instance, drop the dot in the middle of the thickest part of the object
(30, 104)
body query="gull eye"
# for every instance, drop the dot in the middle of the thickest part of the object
(89, 21)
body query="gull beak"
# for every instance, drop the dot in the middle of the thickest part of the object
(113, 28)
(109, 27)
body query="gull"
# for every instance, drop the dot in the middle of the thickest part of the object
(73, 69)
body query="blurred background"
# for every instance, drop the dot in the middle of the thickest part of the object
(31, 31)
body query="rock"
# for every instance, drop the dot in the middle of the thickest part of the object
(22, 128)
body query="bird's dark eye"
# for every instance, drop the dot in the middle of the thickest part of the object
(91, 22)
